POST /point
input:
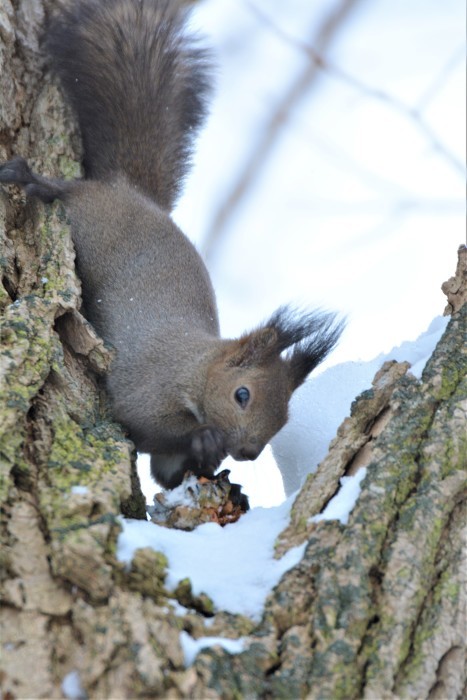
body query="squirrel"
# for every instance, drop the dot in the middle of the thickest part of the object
(138, 85)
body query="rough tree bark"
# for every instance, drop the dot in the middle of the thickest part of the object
(375, 609)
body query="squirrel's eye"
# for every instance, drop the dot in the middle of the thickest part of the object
(242, 396)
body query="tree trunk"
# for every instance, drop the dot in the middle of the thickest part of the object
(375, 609)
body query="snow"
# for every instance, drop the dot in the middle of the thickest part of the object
(191, 646)
(71, 687)
(340, 507)
(234, 565)
(181, 495)
(81, 490)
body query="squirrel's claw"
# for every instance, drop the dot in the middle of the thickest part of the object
(208, 447)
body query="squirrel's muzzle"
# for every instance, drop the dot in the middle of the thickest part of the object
(245, 454)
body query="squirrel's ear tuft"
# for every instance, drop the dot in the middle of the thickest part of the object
(311, 337)
(254, 348)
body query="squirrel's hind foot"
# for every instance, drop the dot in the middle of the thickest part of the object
(17, 172)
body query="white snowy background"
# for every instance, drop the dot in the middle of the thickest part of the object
(349, 183)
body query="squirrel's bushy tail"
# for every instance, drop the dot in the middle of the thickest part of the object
(138, 86)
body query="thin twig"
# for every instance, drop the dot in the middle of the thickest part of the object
(256, 161)
(413, 113)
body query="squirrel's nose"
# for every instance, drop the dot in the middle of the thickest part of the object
(249, 453)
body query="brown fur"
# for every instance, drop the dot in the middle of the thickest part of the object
(138, 90)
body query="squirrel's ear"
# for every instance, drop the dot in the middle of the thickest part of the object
(307, 338)
(254, 348)
(311, 337)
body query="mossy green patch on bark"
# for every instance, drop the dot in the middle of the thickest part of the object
(185, 596)
(147, 574)
(79, 459)
(28, 340)
(85, 477)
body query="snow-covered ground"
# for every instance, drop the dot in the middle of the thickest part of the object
(358, 208)
(234, 565)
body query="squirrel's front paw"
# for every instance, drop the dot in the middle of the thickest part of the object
(208, 447)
